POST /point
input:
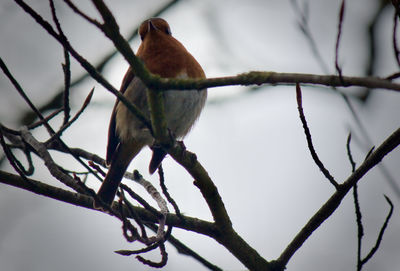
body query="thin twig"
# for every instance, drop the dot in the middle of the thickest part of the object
(128, 230)
(70, 122)
(24, 96)
(393, 76)
(34, 109)
(139, 199)
(309, 140)
(82, 14)
(185, 250)
(14, 162)
(161, 263)
(44, 154)
(134, 215)
(166, 193)
(370, 70)
(394, 37)
(396, 5)
(250, 78)
(305, 29)
(160, 202)
(360, 228)
(381, 233)
(368, 142)
(67, 83)
(97, 168)
(84, 63)
(100, 65)
(349, 155)
(125, 252)
(66, 66)
(46, 119)
(339, 33)
(327, 209)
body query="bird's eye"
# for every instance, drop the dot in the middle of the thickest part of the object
(168, 31)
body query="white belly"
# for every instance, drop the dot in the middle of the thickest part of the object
(182, 108)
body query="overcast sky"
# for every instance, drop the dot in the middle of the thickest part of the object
(251, 142)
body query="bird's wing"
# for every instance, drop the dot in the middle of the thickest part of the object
(113, 139)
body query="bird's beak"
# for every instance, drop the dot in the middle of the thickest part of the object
(151, 26)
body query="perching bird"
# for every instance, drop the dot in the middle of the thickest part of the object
(163, 55)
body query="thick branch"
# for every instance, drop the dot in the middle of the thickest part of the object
(159, 124)
(274, 78)
(111, 30)
(81, 200)
(226, 234)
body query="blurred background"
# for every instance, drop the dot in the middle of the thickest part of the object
(250, 139)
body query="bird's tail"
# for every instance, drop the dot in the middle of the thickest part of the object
(158, 155)
(120, 162)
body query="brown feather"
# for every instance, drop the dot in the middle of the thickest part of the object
(113, 139)
(124, 153)
(165, 56)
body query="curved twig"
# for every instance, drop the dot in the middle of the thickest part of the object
(334, 201)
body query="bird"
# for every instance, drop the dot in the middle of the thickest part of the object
(165, 56)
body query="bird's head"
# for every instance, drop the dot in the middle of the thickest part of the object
(154, 24)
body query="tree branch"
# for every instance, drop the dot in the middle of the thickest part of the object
(82, 200)
(273, 78)
(56, 101)
(334, 201)
(339, 34)
(314, 154)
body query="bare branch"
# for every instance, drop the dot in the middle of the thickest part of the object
(394, 39)
(221, 230)
(14, 162)
(85, 201)
(360, 228)
(334, 201)
(274, 78)
(349, 155)
(339, 33)
(32, 106)
(85, 64)
(82, 200)
(133, 214)
(160, 202)
(163, 261)
(305, 29)
(183, 249)
(381, 232)
(396, 4)
(54, 169)
(165, 191)
(309, 140)
(24, 96)
(46, 119)
(57, 99)
(69, 123)
(67, 83)
(82, 14)
(66, 66)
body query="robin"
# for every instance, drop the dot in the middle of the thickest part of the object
(165, 56)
